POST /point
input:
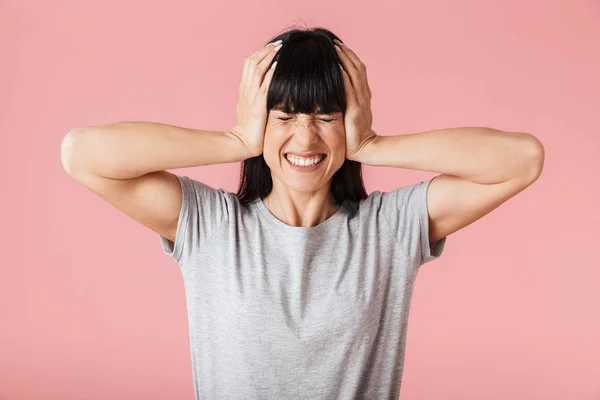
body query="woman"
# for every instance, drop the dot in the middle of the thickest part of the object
(299, 285)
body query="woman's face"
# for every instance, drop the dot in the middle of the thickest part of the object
(318, 134)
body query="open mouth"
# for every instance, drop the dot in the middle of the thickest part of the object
(305, 162)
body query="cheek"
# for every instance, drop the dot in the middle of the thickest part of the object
(271, 146)
(336, 140)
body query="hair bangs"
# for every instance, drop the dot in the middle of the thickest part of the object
(308, 78)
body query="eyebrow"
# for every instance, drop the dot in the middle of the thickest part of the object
(332, 115)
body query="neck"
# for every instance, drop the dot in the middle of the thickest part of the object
(302, 210)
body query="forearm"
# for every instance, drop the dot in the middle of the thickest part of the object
(130, 149)
(481, 155)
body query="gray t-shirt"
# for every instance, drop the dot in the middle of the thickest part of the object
(283, 312)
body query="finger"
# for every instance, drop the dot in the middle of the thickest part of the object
(253, 60)
(244, 74)
(361, 68)
(262, 69)
(261, 53)
(354, 75)
(358, 64)
(266, 83)
(366, 86)
(350, 94)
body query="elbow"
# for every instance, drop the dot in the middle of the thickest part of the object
(69, 150)
(535, 156)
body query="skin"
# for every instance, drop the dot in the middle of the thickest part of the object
(480, 168)
(304, 198)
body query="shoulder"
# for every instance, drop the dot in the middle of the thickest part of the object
(391, 201)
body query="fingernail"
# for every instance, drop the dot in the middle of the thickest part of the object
(337, 47)
(273, 65)
(275, 42)
(338, 42)
(278, 47)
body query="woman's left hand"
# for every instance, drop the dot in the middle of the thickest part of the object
(358, 118)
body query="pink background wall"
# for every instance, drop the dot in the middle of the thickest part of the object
(90, 308)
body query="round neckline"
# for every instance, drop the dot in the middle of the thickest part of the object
(324, 226)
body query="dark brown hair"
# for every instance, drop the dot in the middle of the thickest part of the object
(307, 79)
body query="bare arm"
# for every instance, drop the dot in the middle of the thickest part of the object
(127, 150)
(125, 164)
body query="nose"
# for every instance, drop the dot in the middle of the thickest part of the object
(305, 133)
(301, 123)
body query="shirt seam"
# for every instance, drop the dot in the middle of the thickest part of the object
(274, 225)
(200, 248)
(412, 263)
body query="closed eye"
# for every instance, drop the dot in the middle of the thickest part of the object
(288, 118)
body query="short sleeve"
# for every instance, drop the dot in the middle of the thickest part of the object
(408, 217)
(203, 211)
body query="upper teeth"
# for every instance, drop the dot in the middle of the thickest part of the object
(303, 162)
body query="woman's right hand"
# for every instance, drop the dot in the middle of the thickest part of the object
(251, 110)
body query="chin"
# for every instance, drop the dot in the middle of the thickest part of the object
(300, 186)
